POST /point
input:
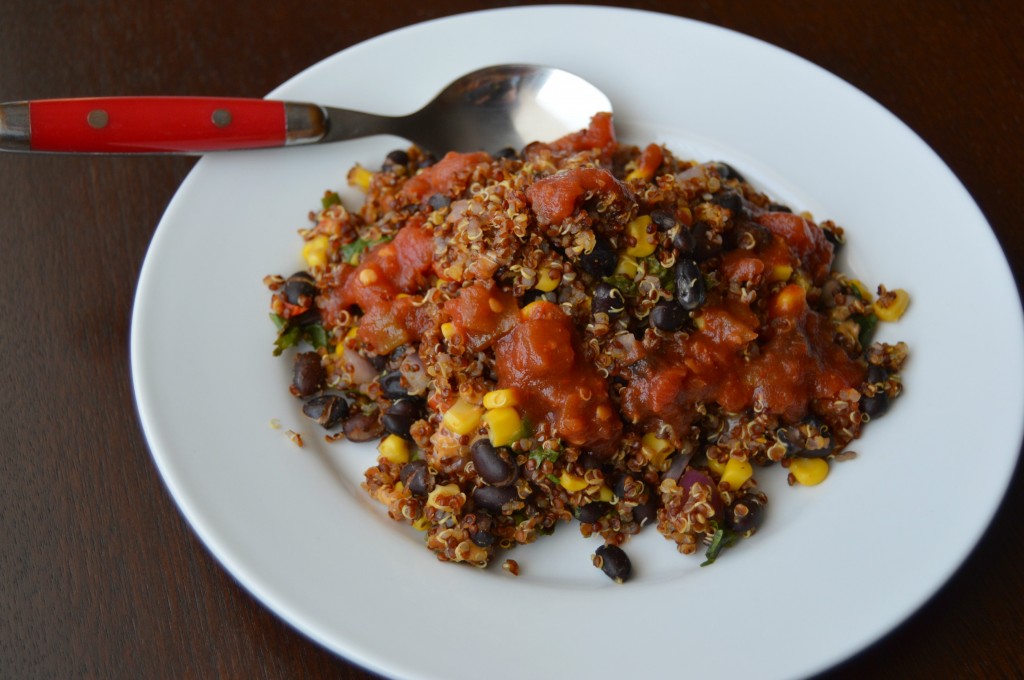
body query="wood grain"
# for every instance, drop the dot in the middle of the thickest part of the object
(100, 577)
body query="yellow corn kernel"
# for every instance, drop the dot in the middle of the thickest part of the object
(447, 330)
(360, 177)
(421, 523)
(656, 449)
(803, 280)
(716, 467)
(645, 242)
(441, 490)
(500, 398)
(865, 294)
(605, 494)
(463, 417)
(546, 282)
(736, 472)
(809, 471)
(394, 448)
(528, 309)
(891, 305)
(780, 272)
(504, 424)
(315, 251)
(572, 483)
(627, 267)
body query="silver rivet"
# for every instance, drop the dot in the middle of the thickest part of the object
(98, 118)
(221, 117)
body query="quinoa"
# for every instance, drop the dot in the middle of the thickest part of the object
(580, 330)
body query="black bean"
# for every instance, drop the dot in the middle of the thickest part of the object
(663, 218)
(668, 316)
(646, 513)
(362, 427)
(746, 514)
(614, 562)
(619, 488)
(817, 441)
(726, 171)
(589, 461)
(495, 466)
(607, 299)
(683, 241)
(833, 238)
(480, 531)
(591, 512)
(707, 243)
(875, 406)
(691, 292)
(507, 152)
(427, 159)
(494, 498)
(779, 207)
(391, 386)
(298, 285)
(415, 475)
(749, 236)
(876, 374)
(379, 362)
(601, 261)
(400, 416)
(535, 294)
(307, 374)
(395, 159)
(730, 200)
(438, 201)
(328, 410)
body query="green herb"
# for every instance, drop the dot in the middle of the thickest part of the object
(626, 285)
(315, 335)
(868, 324)
(350, 251)
(665, 276)
(541, 455)
(279, 321)
(330, 198)
(286, 339)
(722, 539)
(554, 479)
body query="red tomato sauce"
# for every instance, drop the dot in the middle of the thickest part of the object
(541, 358)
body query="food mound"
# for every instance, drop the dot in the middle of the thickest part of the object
(580, 330)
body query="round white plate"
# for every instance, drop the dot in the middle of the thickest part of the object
(835, 567)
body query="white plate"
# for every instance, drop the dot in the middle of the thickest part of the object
(835, 567)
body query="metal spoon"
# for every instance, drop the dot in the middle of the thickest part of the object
(490, 109)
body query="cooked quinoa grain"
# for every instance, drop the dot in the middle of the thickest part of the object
(581, 330)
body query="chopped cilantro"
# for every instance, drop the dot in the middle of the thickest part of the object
(626, 285)
(722, 539)
(330, 198)
(288, 338)
(868, 324)
(541, 455)
(350, 251)
(664, 275)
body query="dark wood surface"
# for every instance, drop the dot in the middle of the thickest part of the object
(99, 574)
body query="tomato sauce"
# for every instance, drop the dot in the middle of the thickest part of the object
(541, 358)
(557, 197)
(381, 287)
(444, 176)
(481, 313)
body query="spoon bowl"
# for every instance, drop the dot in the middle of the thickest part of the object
(489, 109)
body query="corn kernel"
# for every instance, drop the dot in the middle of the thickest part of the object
(368, 277)
(716, 467)
(605, 494)
(891, 305)
(504, 424)
(360, 177)
(736, 472)
(315, 251)
(529, 309)
(638, 173)
(645, 242)
(656, 449)
(572, 483)
(627, 267)
(780, 272)
(441, 490)
(447, 330)
(862, 290)
(463, 417)
(499, 398)
(546, 282)
(789, 301)
(394, 448)
(421, 523)
(809, 471)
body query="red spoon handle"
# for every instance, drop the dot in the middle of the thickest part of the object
(156, 124)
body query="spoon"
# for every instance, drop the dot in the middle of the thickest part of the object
(489, 109)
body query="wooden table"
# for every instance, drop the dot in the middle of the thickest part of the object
(99, 574)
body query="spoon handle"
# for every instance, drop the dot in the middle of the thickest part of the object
(157, 124)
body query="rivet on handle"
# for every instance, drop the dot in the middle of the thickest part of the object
(98, 119)
(221, 118)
